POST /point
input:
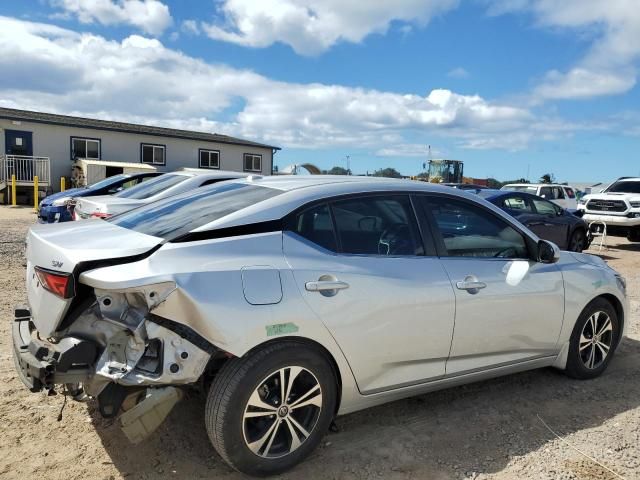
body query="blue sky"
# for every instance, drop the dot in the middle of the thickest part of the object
(508, 86)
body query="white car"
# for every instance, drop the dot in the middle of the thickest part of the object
(295, 299)
(617, 206)
(105, 206)
(562, 195)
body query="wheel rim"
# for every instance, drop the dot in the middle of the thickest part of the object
(282, 412)
(596, 340)
(578, 241)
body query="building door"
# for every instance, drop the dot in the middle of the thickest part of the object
(18, 142)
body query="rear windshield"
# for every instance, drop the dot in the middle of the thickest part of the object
(152, 187)
(625, 187)
(109, 180)
(175, 216)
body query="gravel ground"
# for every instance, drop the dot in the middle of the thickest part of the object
(486, 430)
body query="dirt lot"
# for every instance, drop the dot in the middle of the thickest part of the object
(484, 430)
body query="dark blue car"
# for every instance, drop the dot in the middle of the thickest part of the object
(54, 207)
(547, 220)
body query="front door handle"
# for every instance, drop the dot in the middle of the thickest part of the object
(471, 284)
(327, 285)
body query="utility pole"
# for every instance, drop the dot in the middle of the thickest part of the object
(348, 165)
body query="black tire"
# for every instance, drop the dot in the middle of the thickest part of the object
(577, 361)
(578, 241)
(230, 393)
(634, 235)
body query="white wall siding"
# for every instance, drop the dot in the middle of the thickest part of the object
(54, 141)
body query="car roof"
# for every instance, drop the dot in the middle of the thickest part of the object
(298, 191)
(537, 185)
(193, 172)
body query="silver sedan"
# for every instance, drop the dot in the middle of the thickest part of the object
(296, 299)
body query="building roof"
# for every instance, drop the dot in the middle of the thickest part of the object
(69, 121)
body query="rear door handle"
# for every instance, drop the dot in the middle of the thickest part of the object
(326, 285)
(471, 284)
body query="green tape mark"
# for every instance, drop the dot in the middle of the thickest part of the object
(281, 329)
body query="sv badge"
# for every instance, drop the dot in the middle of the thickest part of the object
(56, 264)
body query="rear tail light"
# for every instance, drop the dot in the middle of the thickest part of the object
(101, 215)
(60, 284)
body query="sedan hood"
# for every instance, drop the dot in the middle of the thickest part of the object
(106, 204)
(62, 247)
(587, 258)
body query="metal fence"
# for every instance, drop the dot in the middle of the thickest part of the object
(25, 168)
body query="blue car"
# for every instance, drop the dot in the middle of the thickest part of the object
(54, 208)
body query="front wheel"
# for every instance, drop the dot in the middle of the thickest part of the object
(268, 411)
(593, 341)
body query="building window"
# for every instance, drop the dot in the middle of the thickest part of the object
(209, 158)
(252, 162)
(152, 154)
(85, 148)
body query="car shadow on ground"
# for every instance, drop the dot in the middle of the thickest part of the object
(475, 428)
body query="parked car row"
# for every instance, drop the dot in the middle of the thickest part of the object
(291, 300)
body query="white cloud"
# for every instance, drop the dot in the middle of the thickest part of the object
(140, 80)
(609, 67)
(458, 72)
(190, 26)
(313, 26)
(407, 150)
(150, 16)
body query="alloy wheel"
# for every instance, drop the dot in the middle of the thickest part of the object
(596, 340)
(282, 412)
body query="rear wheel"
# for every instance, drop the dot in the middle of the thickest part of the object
(268, 411)
(593, 341)
(578, 241)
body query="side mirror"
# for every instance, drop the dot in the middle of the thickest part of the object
(548, 252)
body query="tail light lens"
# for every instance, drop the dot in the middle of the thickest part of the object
(101, 215)
(60, 284)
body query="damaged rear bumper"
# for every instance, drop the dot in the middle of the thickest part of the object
(41, 364)
(114, 361)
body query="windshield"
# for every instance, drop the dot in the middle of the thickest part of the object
(175, 216)
(520, 188)
(108, 181)
(624, 187)
(152, 187)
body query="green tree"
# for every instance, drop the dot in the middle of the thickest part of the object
(387, 172)
(548, 178)
(338, 171)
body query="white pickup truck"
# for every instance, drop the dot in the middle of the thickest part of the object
(618, 206)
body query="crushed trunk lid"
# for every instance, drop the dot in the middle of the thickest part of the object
(65, 248)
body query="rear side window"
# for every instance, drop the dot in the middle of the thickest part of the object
(546, 192)
(175, 216)
(152, 187)
(517, 204)
(377, 225)
(470, 231)
(558, 193)
(315, 225)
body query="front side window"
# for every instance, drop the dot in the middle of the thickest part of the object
(152, 187)
(467, 230)
(570, 192)
(209, 159)
(152, 154)
(252, 162)
(377, 225)
(175, 216)
(315, 225)
(85, 148)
